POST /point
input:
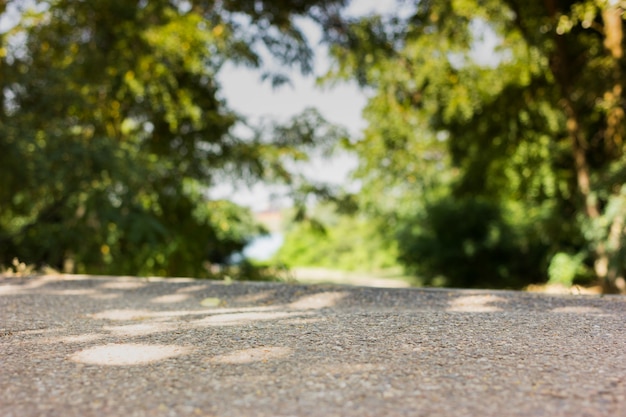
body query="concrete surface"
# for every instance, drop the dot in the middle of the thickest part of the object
(102, 346)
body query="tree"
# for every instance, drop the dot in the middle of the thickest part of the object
(585, 58)
(112, 127)
(534, 125)
(332, 238)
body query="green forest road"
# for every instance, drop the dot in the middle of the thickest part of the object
(98, 346)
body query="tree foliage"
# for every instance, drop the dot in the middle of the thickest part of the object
(469, 243)
(494, 151)
(112, 127)
(534, 125)
(335, 240)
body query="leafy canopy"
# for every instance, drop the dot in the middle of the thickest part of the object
(112, 128)
(532, 128)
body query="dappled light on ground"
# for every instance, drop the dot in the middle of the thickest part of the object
(170, 299)
(81, 338)
(261, 354)
(18, 285)
(281, 349)
(578, 310)
(300, 321)
(152, 332)
(181, 295)
(140, 323)
(332, 276)
(237, 319)
(81, 291)
(563, 289)
(123, 285)
(128, 354)
(122, 315)
(319, 300)
(476, 304)
(141, 329)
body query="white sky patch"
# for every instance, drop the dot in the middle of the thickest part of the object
(248, 95)
(341, 104)
(365, 7)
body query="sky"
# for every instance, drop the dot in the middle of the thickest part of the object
(247, 95)
(341, 104)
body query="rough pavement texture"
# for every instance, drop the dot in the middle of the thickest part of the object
(88, 346)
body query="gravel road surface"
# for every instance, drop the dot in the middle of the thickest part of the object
(103, 346)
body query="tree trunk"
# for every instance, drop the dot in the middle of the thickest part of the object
(604, 266)
(607, 265)
(613, 281)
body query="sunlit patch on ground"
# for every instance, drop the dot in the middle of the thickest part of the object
(106, 296)
(11, 289)
(176, 280)
(302, 321)
(89, 292)
(142, 329)
(476, 303)
(122, 315)
(29, 283)
(81, 338)
(235, 319)
(324, 275)
(317, 301)
(261, 354)
(128, 354)
(192, 288)
(578, 309)
(170, 298)
(123, 285)
(562, 289)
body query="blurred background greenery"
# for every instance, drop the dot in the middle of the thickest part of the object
(493, 152)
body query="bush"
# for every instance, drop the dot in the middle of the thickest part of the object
(467, 243)
(344, 242)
